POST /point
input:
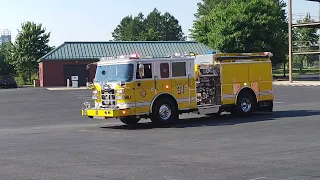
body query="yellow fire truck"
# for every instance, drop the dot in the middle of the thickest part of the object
(133, 87)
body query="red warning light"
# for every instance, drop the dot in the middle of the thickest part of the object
(134, 56)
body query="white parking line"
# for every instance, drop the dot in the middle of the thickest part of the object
(262, 178)
(278, 102)
(259, 178)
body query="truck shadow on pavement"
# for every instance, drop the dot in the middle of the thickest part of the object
(222, 120)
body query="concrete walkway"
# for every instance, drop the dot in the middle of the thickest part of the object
(297, 83)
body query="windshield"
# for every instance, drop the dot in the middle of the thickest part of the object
(114, 73)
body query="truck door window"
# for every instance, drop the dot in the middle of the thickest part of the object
(147, 71)
(164, 70)
(178, 69)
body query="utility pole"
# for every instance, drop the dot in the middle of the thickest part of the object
(290, 39)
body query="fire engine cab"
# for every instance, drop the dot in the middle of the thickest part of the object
(133, 87)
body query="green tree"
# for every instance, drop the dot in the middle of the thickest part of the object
(305, 39)
(243, 26)
(30, 44)
(153, 27)
(5, 68)
(129, 29)
(206, 6)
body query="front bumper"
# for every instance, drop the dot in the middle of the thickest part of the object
(108, 113)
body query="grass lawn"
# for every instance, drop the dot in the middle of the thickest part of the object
(296, 72)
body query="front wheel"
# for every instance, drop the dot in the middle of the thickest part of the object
(245, 104)
(164, 111)
(129, 120)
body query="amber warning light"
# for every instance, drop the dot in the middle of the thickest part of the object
(134, 56)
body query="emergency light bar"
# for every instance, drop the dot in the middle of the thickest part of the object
(246, 56)
(211, 52)
(137, 56)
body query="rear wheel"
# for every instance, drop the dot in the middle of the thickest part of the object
(129, 120)
(164, 111)
(245, 104)
(268, 107)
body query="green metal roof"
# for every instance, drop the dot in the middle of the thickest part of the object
(95, 50)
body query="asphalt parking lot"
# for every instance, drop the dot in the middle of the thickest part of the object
(43, 136)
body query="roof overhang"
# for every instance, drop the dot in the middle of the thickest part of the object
(92, 51)
(308, 25)
(75, 59)
(314, 0)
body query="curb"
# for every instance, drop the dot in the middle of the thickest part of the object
(66, 89)
(313, 85)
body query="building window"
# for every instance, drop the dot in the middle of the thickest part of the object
(147, 71)
(178, 69)
(164, 70)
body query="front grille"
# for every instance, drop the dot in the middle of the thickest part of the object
(108, 99)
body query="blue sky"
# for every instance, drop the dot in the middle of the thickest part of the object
(94, 20)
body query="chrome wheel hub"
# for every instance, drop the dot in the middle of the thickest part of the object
(164, 112)
(246, 105)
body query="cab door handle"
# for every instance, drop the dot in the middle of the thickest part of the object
(155, 82)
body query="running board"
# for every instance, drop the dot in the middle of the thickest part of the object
(208, 109)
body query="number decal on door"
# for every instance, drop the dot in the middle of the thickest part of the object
(180, 89)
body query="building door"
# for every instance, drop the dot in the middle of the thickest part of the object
(76, 70)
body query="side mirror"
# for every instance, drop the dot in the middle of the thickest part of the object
(90, 85)
(141, 70)
(88, 67)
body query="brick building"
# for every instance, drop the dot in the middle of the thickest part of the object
(71, 58)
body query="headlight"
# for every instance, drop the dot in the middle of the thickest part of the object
(94, 97)
(86, 105)
(120, 91)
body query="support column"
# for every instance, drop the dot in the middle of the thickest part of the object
(319, 43)
(290, 38)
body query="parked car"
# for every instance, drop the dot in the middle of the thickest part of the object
(7, 81)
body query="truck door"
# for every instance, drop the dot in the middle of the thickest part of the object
(191, 84)
(179, 83)
(163, 77)
(144, 86)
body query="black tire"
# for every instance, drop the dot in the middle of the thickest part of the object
(245, 104)
(269, 107)
(129, 120)
(167, 105)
